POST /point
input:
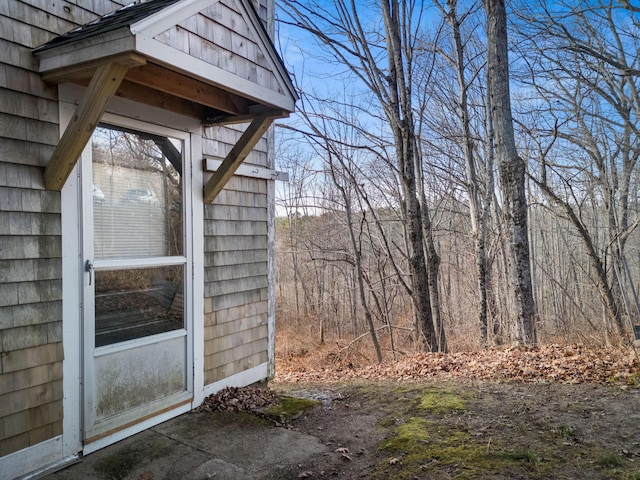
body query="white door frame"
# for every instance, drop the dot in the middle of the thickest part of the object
(73, 278)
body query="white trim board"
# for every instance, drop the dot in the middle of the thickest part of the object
(35, 460)
(271, 275)
(70, 203)
(197, 229)
(246, 170)
(241, 379)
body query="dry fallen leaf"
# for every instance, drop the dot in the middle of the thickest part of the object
(572, 363)
(239, 399)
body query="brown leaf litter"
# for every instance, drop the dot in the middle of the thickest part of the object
(572, 363)
(239, 399)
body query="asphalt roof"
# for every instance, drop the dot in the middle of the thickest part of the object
(123, 17)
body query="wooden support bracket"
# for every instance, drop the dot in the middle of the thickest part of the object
(103, 85)
(235, 119)
(238, 153)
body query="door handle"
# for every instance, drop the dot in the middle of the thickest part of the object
(88, 267)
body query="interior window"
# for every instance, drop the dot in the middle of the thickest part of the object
(138, 214)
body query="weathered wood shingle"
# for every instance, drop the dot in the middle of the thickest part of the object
(236, 271)
(30, 229)
(236, 225)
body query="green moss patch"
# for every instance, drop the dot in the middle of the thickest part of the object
(528, 458)
(609, 460)
(441, 402)
(290, 408)
(428, 440)
(421, 447)
(441, 433)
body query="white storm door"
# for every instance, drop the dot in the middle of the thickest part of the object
(136, 258)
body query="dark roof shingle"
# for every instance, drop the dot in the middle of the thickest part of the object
(123, 17)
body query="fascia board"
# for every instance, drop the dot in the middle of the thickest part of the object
(178, 60)
(247, 170)
(112, 43)
(180, 11)
(73, 94)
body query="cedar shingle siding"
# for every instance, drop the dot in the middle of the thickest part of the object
(230, 47)
(236, 268)
(30, 238)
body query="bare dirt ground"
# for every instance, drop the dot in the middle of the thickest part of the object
(463, 429)
(561, 412)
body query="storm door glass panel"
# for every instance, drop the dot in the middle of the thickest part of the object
(137, 195)
(137, 234)
(135, 303)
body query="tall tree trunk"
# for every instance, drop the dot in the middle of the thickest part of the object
(477, 212)
(400, 114)
(512, 174)
(431, 257)
(357, 48)
(433, 271)
(417, 261)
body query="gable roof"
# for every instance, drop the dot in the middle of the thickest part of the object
(210, 59)
(182, 49)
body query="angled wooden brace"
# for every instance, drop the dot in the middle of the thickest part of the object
(238, 153)
(103, 86)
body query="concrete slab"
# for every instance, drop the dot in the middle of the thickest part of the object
(199, 446)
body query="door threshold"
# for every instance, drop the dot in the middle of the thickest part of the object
(136, 426)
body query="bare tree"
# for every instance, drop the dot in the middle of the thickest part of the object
(465, 60)
(293, 204)
(583, 126)
(384, 65)
(512, 174)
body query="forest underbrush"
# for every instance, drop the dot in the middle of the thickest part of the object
(301, 356)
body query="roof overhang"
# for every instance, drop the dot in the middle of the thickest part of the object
(129, 62)
(199, 89)
(212, 91)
